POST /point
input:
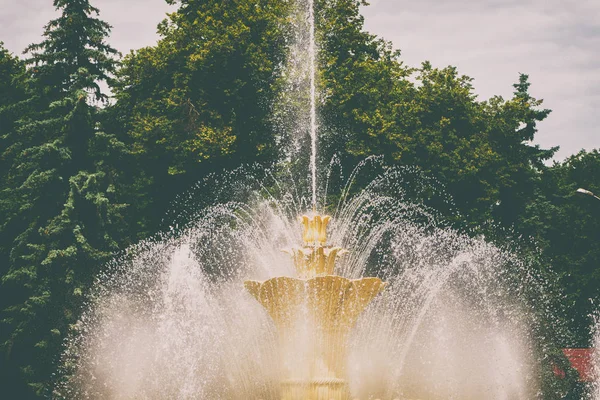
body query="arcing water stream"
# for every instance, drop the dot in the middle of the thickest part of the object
(171, 318)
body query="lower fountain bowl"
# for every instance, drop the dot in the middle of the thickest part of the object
(315, 389)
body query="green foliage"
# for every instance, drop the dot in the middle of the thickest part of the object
(427, 117)
(73, 54)
(200, 99)
(434, 121)
(12, 91)
(59, 213)
(11, 87)
(566, 226)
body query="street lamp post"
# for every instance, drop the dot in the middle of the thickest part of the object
(587, 193)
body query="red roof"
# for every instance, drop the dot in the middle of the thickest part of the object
(582, 361)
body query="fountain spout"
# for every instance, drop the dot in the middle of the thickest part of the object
(314, 315)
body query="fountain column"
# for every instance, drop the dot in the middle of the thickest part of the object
(314, 314)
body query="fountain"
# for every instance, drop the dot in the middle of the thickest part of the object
(328, 303)
(172, 319)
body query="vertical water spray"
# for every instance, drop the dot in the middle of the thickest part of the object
(313, 106)
(295, 109)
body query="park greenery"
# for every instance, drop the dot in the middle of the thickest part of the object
(82, 177)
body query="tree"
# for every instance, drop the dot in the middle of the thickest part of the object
(200, 99)
(60, 214)
(12, 92)
(431, 118)
(363, 82)
(566, 227)
(12, 89)
(520, 163)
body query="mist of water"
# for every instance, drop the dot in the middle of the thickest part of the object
(171, 319)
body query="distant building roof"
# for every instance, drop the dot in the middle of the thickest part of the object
(582, 361)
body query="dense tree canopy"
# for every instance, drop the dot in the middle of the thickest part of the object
(58, 214)
(12, 91)
(200, 99)
(566, 225)
(81, 179)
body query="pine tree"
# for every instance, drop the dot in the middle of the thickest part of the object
(59, 204)
(12, 92)
(520, 161)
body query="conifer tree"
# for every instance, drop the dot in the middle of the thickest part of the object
(520, 162)
(12, 92)
(60, 214)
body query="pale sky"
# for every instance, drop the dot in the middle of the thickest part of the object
(556, 42)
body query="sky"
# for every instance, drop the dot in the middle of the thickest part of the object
(556, 42)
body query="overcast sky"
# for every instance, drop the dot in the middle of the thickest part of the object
(556, 42)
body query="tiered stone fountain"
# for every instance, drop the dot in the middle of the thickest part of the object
(322, 307)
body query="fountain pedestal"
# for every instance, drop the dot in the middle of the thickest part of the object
(314, 315)
(330, 389)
